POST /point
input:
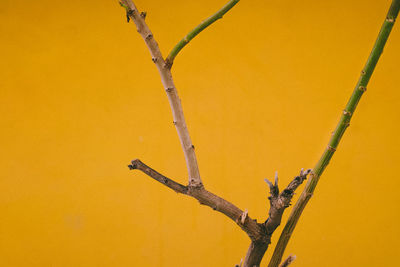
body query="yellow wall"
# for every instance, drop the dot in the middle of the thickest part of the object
(262, 90)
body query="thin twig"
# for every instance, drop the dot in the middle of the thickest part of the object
(253, 229)
(169, 86)
(199, 28)
(177, 187)
(337, 134)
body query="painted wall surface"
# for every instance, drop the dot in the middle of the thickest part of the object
(262, 90)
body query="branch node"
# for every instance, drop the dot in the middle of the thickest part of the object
(134, 164)
(362, 88)
(390, 19)
(168, 64)
(154, 59)
(330, 148)
(129, 13)
(143, 14)
(149, 36)
(345, 112)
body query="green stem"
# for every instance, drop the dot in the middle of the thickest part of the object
(185, 40)
(344, 122)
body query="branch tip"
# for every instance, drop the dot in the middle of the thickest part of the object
(199, 28)
(134, 164)
(269, 183)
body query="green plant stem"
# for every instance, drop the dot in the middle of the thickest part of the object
(337, 134)
(199, 28)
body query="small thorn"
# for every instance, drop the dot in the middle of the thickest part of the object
(345, 112)
(143, 14)
(154, 59)
(276, 178)
(129, 14)
(301, 171)
(362, 88)
(269, 183)
(330, 148)
(244, 216)
(390, 19)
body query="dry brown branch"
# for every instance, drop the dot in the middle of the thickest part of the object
(253, 229)
(259, 233)
(278, 203)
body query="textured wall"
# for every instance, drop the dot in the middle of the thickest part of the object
(261, 90)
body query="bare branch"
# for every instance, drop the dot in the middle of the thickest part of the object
(253, 229)
(288, 261)
(177, 187)
(199, 28)
(278, 202)
(169, 86)
(260, 234)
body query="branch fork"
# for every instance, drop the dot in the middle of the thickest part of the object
(259, 233)
(280, 201)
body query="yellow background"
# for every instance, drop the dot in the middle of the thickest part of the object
(261, 89)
